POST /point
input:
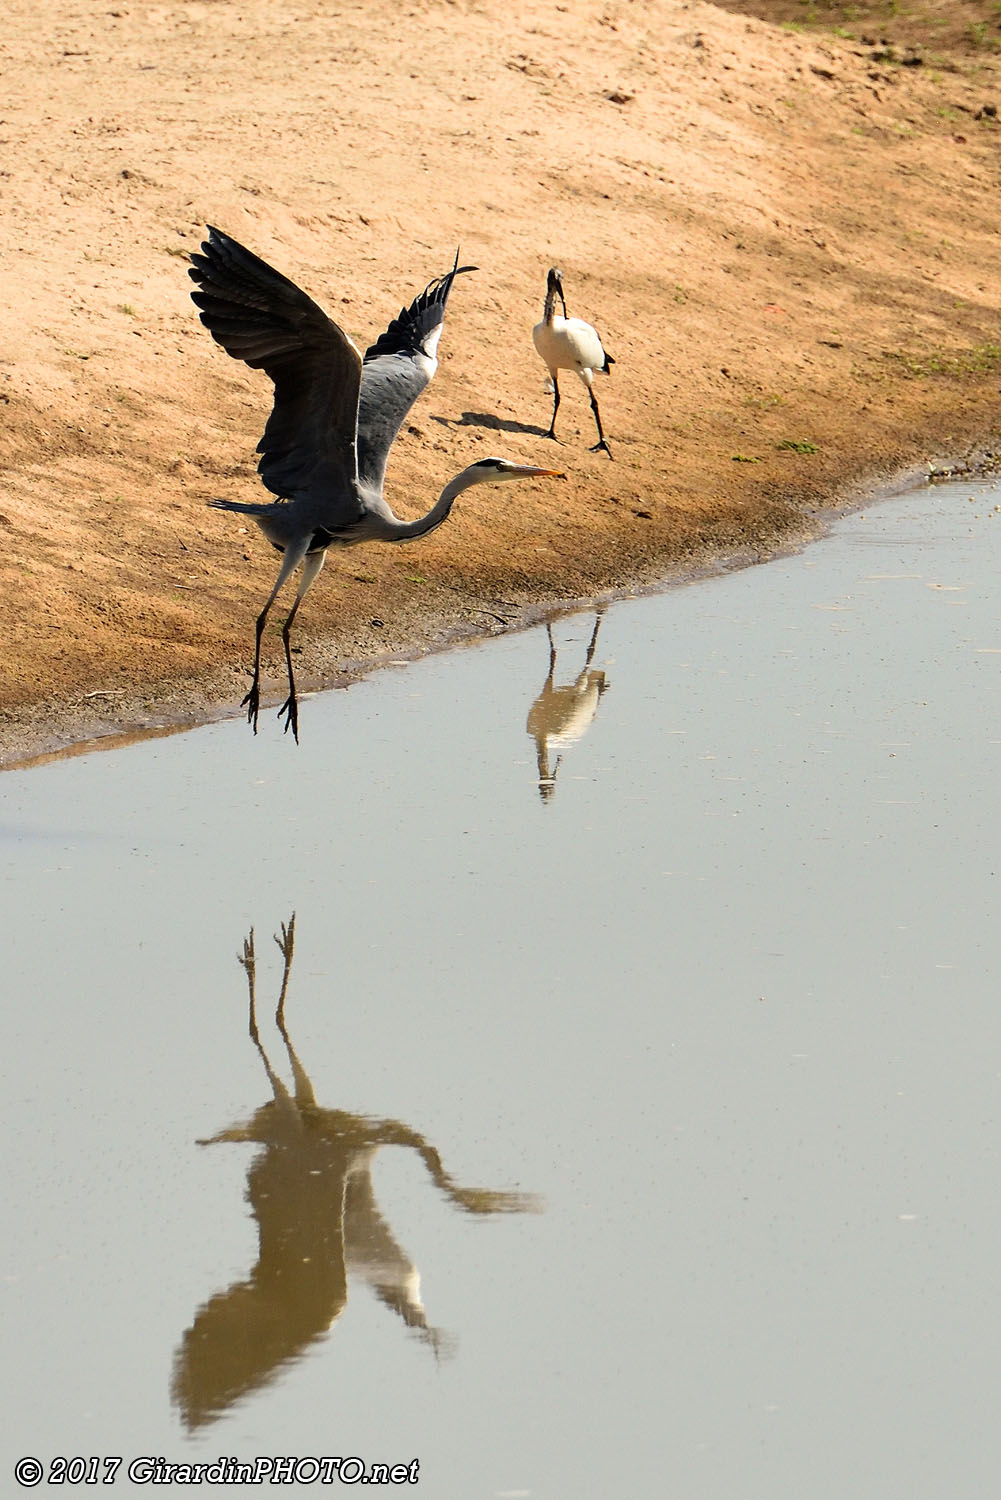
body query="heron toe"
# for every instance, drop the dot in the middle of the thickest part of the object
(290, 712)
(252, 703)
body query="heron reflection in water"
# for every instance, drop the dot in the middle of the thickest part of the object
(310, 1191)
(561, 715)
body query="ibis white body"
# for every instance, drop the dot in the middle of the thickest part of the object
(569, 344)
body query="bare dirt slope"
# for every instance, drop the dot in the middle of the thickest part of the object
(789, 241)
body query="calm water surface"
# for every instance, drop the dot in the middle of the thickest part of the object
(632, 1124)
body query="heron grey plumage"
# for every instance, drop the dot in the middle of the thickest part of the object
(335, 418)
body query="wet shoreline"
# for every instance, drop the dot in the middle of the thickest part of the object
(37, 733)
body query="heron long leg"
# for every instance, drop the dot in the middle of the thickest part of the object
(600, 444)
(556, 405)
(304, 1095)
(291, 559)
(252, 701)
(311, 566)
(286, 946)
(249, 964)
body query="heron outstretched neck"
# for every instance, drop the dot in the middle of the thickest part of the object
(335, 418)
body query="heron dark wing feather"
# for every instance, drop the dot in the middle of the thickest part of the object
(308, 449)
(396, 369)
(408, 332)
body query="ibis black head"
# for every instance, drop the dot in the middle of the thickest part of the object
(554, 287)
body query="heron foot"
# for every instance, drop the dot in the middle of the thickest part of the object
(552, 434)
(290, 711)
(601, 447)
(286, 943)
(252, 703)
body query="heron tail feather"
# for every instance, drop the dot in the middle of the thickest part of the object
(243, 509)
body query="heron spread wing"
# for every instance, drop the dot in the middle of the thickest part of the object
(397, 368)
(308, 450)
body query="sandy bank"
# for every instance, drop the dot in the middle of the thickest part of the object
(788, 242)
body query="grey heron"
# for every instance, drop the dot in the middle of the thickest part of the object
(334, 420)
(319, 1226)
(570, 344)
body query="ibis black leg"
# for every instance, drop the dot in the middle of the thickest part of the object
(594, 638)
(556, 406)
(600, 445)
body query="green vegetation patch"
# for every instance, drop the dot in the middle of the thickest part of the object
(981, 359)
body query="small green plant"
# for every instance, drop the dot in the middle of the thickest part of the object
(766, 402)
(796, 445)
(744, 458)
(127, 309)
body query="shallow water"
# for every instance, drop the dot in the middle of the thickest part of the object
(637, 1133)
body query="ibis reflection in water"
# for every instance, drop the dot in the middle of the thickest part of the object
(561, 715)
(310, 1191)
